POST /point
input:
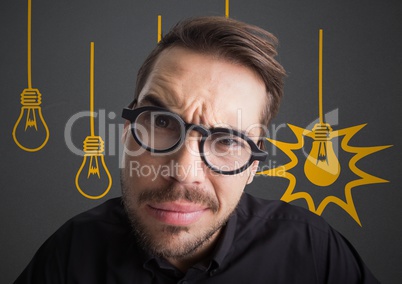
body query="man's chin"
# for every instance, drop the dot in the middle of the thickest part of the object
(177, 242)
(169, 241)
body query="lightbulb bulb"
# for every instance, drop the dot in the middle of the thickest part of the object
(93, 173)
(30, 132)
(322, 166)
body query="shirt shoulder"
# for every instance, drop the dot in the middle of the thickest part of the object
(81, 248)
(292, 245)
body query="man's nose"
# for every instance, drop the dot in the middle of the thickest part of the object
(187, 165)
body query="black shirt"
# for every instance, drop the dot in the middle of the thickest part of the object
(263, 242)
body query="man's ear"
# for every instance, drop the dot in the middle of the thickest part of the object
(126, 131)
(254, 168)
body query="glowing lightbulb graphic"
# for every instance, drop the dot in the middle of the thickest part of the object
(30, 132)
(93, 168)
(322, 166)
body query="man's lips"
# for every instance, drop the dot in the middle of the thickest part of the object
(176, 213)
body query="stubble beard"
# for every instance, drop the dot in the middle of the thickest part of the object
(168, 243)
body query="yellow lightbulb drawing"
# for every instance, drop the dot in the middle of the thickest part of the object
(30, 132)
(322, 167)
(93, 167)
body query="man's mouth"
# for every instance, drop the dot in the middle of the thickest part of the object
(176, 213)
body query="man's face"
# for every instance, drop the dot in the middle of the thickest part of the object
(175, 202)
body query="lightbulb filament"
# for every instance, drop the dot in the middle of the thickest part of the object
(92, 170)
(322, 152)
(31, 119)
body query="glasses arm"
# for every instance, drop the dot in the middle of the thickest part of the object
(128, 114)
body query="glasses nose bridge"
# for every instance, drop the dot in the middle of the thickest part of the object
(198, 128)
(193, 143)
(203, 131)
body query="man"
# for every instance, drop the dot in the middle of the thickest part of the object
(203, 99)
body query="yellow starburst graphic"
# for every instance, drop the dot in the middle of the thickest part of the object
(322, 167)
(359, 153)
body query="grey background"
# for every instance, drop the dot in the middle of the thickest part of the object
(362, 80)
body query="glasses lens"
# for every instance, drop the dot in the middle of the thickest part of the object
(158, 130)
(226, 151)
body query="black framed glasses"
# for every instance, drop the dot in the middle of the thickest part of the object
(225, 151)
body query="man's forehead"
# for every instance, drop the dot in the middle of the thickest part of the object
(205, 90)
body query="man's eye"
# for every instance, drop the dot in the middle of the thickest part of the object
(162, 121)
(228, 142)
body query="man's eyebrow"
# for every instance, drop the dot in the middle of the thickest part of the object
(242, 131)
(155, 101)
(152, 100)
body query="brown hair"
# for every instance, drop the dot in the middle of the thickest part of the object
(229, 39)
